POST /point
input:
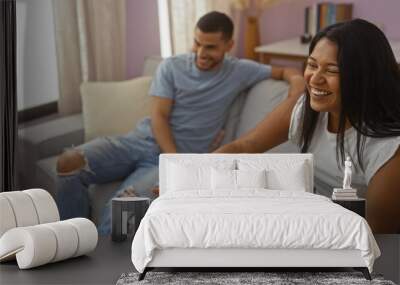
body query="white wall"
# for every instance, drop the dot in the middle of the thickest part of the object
(37, 79)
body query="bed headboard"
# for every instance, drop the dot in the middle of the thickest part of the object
(210, 159)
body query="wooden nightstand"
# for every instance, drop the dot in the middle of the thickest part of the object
(357, 206)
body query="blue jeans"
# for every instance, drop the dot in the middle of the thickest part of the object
(132, 157)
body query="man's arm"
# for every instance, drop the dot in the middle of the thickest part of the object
(292, 76)
(270, 132)
(160, 111)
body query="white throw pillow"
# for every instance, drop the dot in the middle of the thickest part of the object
(193, 174)
(281, 175)
(251, 178)
(181, 177)
(114, 108)
(225, 179)
(293, 179)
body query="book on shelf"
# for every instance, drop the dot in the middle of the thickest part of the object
(310, 25)
(344, 12)
(323, 15)
(345, 194)
(344, 191)
(346, 198)
(320, 15)
(332, 14)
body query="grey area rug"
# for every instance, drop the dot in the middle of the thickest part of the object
(231, 278)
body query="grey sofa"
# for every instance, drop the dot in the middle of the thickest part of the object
(42, 145)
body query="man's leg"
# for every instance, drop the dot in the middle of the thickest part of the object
(139, 183)
(99, 161)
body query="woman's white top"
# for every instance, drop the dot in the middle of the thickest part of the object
(328, 173)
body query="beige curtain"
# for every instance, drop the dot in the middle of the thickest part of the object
(184, 14)
(90, 44)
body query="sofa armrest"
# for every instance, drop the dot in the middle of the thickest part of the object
(114, 108)
(46, 139)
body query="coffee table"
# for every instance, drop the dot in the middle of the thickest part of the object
(102, 266)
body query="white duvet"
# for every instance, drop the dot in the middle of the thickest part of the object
(252, 218)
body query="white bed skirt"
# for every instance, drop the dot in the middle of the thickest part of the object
(193, 257)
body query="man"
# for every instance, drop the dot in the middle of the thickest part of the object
(191, 98)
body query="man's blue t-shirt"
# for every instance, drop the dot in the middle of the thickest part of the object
(201, 98)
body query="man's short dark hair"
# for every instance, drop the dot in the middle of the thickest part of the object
(214, 22)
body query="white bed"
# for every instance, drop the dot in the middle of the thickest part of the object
(195, 224)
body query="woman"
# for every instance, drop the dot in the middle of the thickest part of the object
(351, 107)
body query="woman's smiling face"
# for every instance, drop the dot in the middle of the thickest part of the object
(322, 77)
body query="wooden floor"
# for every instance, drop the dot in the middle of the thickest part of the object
(106, 264)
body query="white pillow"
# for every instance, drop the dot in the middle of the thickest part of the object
(114, 108)
(181, 177)
(193, 174)
(225, 179)
(293, 179)
(281, 175)
(251, 178)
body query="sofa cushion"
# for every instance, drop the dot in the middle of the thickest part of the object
(233, 119)
(114, 108)
(261, 100)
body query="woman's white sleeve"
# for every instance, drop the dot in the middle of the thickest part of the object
(296, 121)
(377, 153)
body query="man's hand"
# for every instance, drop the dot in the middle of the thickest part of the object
(290, 72)
(297, 86)
(284, 73)
(293, 77)
(217, 141)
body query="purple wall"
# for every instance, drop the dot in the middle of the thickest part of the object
(280, 22)
(143, 35)
(286, 20)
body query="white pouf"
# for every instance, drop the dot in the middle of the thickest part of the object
(40, 244)
(31, 232)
